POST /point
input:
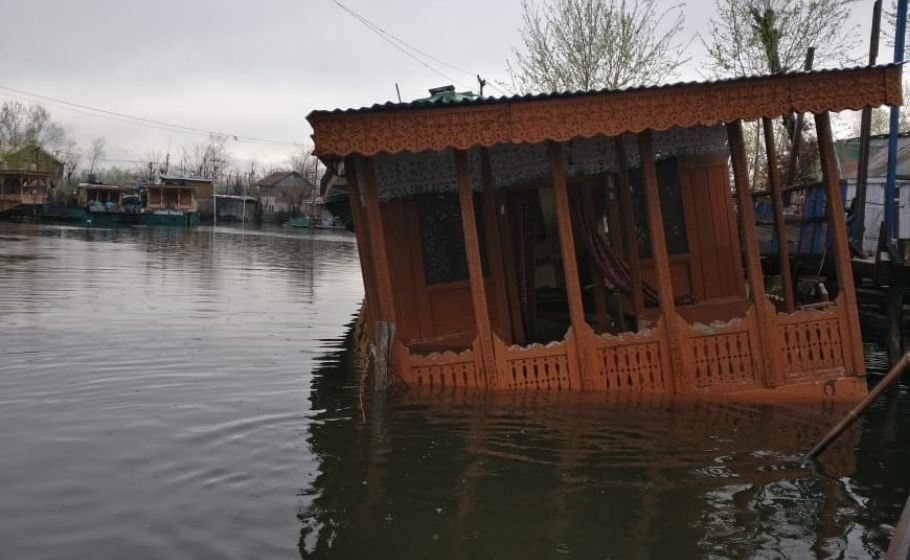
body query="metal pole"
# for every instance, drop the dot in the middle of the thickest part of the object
(862, 172)
(315, 190)
(851, 417)
(891, 186)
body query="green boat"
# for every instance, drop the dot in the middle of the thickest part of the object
(298, 222)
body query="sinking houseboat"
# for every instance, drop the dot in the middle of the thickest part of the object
(592, 241)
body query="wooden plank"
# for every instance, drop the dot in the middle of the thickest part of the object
(624, 197)
(505, 232)
(475, 268)
(839, 241)
(378, 242)
(569, 264)
(766, 337)
(677, 338)
(777, 205)
(494, 249)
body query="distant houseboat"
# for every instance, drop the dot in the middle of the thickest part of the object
(110, 205)
(591, 241)
(170, 204)
(23, 192)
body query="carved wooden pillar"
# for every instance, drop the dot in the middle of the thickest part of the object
(837, 231)
(677, 337)
(475, 268)
(580, 327)
(771, 374)
(379, 250)
(624, 196)
(363, 244)
(780, 228)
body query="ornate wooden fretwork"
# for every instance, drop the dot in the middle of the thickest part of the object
(563, 117)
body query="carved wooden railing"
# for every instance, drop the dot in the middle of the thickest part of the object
(721, 356)
(443, 370)
(538, 366)
(632, 361)
(724, 353)
(810, 342)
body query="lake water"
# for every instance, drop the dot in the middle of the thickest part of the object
(188, 394)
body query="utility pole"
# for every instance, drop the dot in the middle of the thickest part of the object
(315, 190)
(891, 203)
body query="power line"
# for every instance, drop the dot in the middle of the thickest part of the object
(403, 45)
(142, 121)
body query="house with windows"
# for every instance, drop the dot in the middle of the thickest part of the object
(591, 241)
(283, 195)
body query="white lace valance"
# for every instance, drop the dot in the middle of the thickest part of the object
(407, 174)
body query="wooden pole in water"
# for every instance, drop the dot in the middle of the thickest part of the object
(851, 416)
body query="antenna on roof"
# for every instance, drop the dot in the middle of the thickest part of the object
(482, 83)
(398, 91)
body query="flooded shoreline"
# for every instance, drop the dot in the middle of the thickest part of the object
(178, 394)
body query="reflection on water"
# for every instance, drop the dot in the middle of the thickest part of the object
(546, 477)
(174, 394)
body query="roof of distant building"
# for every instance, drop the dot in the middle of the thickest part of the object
(273, 179)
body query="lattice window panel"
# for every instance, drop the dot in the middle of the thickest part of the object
(723, 359)
(632, 367)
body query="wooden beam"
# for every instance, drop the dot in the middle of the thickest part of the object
(505, 231)
(837, 230)
(771, 373)
(569, 263)
(475, 267)
(378, 248)
(566, 240)
(676, 336)
(364, 251)
(780, 226)
(597, 279)
(624, 196)
(656, 223)
(494, 249)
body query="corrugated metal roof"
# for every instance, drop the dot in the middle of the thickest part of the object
(464, 100)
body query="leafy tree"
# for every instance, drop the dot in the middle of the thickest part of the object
(594, 44)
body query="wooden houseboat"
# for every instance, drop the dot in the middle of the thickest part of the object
(22, 192)
(592, 241)
(171, 203)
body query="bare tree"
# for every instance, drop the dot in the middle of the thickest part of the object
(751, 37)
(96, 152)
(153, 164)
(211, 160)
(594, 44)
(71, 156)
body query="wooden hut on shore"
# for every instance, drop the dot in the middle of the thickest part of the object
(592, 241)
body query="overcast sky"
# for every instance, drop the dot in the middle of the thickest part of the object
(254, 68)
